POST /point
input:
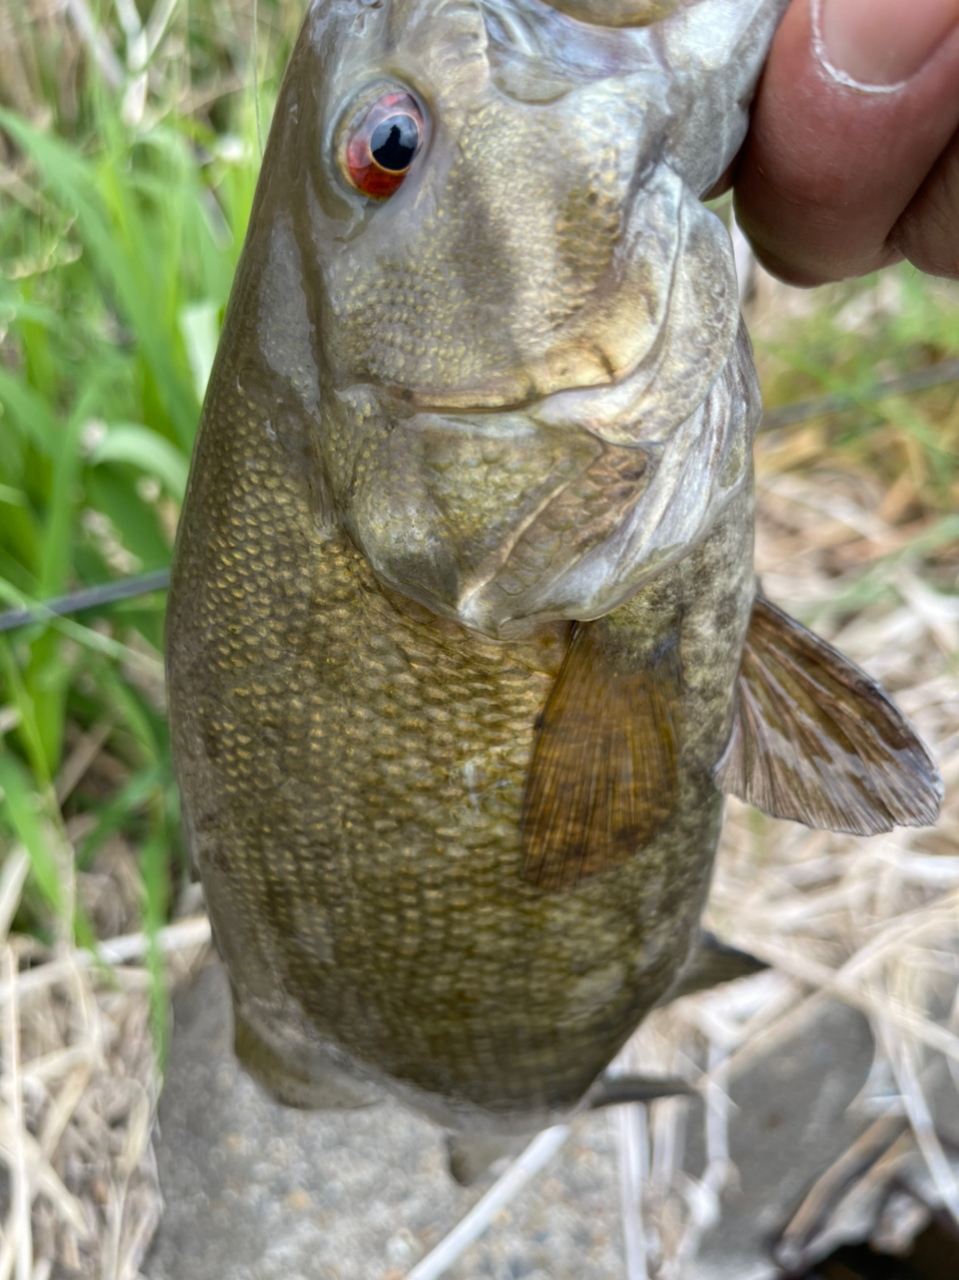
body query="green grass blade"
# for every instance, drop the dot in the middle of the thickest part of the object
(151, 453)
(19, 806)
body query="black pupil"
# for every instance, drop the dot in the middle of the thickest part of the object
(393, 143)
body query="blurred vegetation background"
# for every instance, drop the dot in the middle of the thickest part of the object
(128, 159)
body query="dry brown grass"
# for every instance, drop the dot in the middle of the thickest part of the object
(79, 1086)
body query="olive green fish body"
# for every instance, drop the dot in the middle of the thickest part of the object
(462, 639)
(353, 772)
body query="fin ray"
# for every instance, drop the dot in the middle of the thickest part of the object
(470, 1155)
(617, 1091)
(817, 740)
(603, 776)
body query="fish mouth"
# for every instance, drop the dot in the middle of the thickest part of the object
(539, 383)
(607, 409)
(618, 13)
(691, 325)
(530, 394)
(662, 388)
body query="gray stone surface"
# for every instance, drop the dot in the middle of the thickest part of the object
(255, 1191)
(792, 1120)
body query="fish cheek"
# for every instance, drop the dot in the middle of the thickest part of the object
(480, 288)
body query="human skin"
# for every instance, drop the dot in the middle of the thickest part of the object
(852, 159)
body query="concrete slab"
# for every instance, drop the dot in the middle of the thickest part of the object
(255, 1191)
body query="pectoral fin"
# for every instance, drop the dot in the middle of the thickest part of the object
(712, 962)
(603, 775)
(817, 740)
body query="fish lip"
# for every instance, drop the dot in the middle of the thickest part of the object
(474, 402)
(464, 402)
(407, 406)
(553, 409)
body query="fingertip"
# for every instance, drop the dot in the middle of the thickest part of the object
(722, 184)
(866, 44)
(793, 263)
(928, 231)
(805, 246)
(827, 169)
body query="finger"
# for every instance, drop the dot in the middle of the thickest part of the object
(928, 232)
(853, 111)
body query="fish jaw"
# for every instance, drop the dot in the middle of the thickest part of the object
(504, 522)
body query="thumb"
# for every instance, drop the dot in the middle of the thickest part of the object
(852, 159)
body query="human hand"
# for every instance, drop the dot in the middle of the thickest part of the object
(852, 158)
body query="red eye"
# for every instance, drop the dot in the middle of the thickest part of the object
(382, 143)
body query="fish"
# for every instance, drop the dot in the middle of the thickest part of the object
(465, 645)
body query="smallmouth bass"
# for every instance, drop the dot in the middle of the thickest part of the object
(464, 641)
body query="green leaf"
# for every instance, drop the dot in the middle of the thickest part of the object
(56, 548)
(154, 867)
(134, 520)
(200, 326)
(30, 411)
(136, 444)
(122, 249)
(20, 807)
(131, 800)
(27, 729)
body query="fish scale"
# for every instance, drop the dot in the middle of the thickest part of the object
(464, 640)
(340, 788)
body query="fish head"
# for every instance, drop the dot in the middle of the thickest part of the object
(526, 301)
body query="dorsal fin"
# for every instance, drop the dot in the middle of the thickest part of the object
(603, 775)
(817, 740)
